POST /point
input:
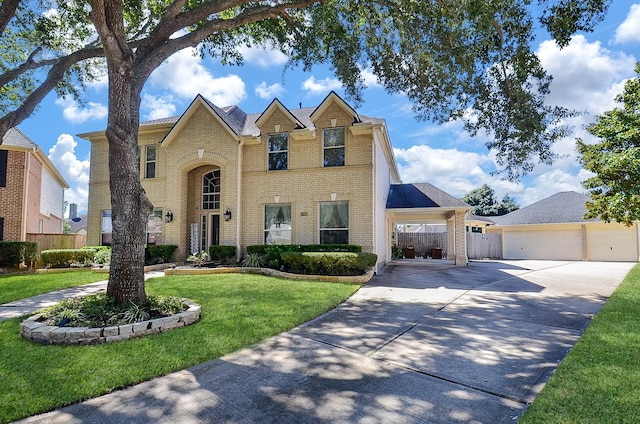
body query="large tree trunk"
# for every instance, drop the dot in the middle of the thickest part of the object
(130, 207)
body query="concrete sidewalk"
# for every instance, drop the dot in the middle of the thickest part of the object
(33, 304)
(421, 343)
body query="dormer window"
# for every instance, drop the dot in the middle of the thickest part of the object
(334, 142)
(278, 151)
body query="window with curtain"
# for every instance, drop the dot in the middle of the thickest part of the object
(334, 223)
(154, 227)
(334, 146)
(106, 230)
(211, 190)
(277, 224)
(150, 163)
(278, 151)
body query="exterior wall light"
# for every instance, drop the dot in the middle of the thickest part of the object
(169, 216)
(227, 215)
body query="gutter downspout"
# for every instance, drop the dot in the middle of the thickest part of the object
(239, 201)
(25, 199)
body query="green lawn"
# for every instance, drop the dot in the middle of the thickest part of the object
(238, 310)
(599, 381)
(21, 286)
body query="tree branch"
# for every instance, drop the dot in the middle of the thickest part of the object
(7, 12)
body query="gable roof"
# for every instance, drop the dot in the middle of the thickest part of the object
(423, 195)
(274, 106)
(564, 207)
(15, 139)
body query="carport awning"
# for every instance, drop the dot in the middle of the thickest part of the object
(422, 202)
(419, 196)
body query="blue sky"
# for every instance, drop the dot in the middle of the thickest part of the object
(587, 76)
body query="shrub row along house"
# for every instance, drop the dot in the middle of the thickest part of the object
(31, 189)
(220, 176)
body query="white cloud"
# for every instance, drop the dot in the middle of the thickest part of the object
(370, 79)
(586, 76)
(184, 75)
(268, 92)
(75, 171)
(320, 87)
(263, 57)
(629, 30)
(74, 113)
(552, 182)
(454, 171)
(157, 107)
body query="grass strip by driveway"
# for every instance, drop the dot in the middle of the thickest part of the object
(20, 286)
(598, 382)
(238, 310)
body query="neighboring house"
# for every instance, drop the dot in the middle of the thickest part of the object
(31, 189)
(300, 176)
(554, 228)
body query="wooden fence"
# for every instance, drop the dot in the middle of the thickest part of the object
(58, 241)
(479, 246)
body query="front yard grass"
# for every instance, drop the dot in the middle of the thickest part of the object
(20, 286)
(598, 382)
(238, 310)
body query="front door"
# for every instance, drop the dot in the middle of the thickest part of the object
(210, 230)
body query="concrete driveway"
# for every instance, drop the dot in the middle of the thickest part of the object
(424, 342)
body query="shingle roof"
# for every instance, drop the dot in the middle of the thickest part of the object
(423, 195)
(16, 138)
(245, 124)
(564, 207)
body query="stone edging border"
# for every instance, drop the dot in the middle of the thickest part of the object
(38, 332)
(355, 279)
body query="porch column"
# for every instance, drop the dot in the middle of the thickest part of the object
(461, 239)
(451, 239)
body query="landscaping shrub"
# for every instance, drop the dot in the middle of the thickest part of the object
(162, 251)
(222, 253)
(254, 260)
(13, 253)
(103, 254)
(272, 253)
(65, 258)
(329, 263)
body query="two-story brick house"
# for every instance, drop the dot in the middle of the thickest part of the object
(31, 189)
(221, 176)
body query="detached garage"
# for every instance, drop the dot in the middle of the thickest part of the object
(554, 229)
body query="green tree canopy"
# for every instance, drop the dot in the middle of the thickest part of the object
(455, 59)
(615, 159)
(484, 202)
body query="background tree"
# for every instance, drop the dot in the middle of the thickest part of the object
(484, 202)
(455, 59)
(615, 159)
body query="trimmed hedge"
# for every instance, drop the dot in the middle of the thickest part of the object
(262, 249)
(162, 251)
(273, 252)
(222, 253)
(65, 258)
(329, 263)
(13, 253)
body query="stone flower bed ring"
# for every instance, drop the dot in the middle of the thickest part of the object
(35, 330)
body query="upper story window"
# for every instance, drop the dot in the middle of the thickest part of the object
(334, 142)
(278, 151)
(211, 190)
(150, 162)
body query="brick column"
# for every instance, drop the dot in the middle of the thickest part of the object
(451, 239)
(461, 239)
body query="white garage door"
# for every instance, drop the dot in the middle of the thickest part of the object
(613, 242)
(561, 245)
